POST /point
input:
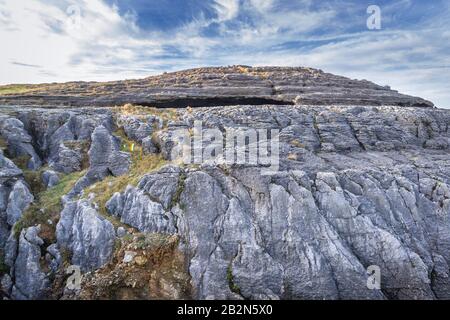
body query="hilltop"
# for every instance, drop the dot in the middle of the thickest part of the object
(235, 85)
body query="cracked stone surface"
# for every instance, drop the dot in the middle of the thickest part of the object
(221, 86)
(363, 180)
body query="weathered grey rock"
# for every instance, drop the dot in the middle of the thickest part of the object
(67, 160)
(6, 284)
(53, 257)
(168, 142)
(4, 233)
(136, 209)
(8, 169)
(105, 158)
(139, 128)
(357, 186)
(222, 86)
(30, 281)
(11, 250)
(18, 201)
(19, 142)
(88, 236)
(50, 178)
(121, 232)
(129, 256)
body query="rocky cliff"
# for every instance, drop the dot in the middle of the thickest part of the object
(215, 86)
(363, 180)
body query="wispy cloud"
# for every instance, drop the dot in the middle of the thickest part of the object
(25, 64)
(111, 39)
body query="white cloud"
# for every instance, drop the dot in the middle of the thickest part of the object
(226, 9)
(41, 43)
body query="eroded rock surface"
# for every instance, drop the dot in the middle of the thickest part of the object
(221, 86)
(358, 185)
(88, 236)
(30, 281)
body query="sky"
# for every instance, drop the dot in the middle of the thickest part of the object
(99, 40)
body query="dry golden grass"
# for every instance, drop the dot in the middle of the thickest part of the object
(297, 143)
(141, 111)
(13, 89)
(3, 144)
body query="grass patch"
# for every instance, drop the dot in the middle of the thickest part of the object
(179, 191)
(153, 241)
(15, 89)
(47, 206)
(3, 144)
(230, 278)
(34, 180)
(165, 114)
(21, 162)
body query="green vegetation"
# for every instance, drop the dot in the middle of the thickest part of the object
(21, 161)
(15, 89)
(34, 180)
(155, 241)
(3, 144)
(180, 188)
(66, 256)
(4, 269)
(47, 206)
(230, 278)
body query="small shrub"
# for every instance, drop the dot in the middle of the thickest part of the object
(230, 278)
(179, 191)
(4, 269)
(21, 162)
(34, 180)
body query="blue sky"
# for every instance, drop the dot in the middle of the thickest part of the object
(65, 40)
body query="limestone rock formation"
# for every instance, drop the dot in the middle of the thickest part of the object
(88, 236)
(363, 180)
(19, 141)
(221, 86)
(50, 178)
(30, 282)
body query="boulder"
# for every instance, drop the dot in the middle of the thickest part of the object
(30, 281)
(87, 235)
(50, 178)
(20, 143)
(18, 201)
